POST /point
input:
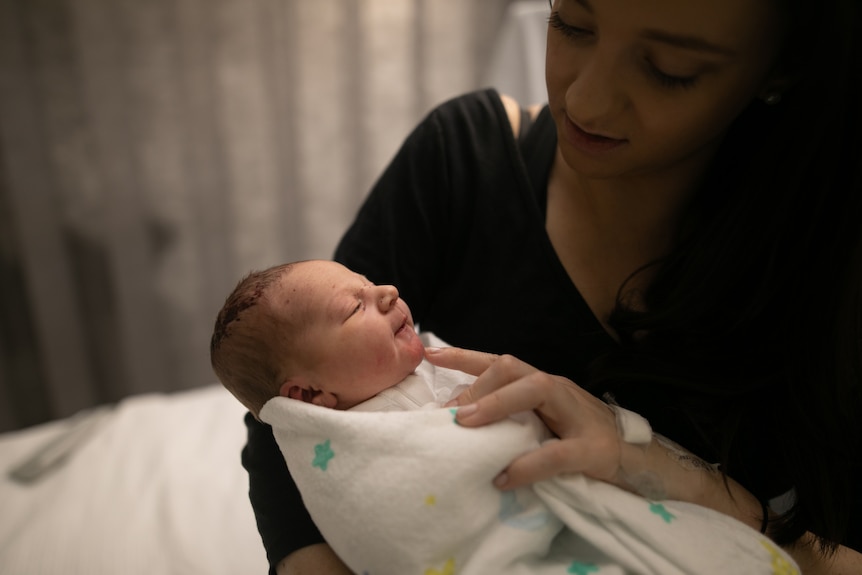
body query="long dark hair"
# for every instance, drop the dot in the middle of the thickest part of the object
(755, 314)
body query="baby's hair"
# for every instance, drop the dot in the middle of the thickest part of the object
(242, 350)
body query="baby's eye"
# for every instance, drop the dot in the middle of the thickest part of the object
(359, 307)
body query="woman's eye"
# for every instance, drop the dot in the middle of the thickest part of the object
(671, 81)
(568, 30)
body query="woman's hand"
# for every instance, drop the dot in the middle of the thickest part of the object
(588, 442)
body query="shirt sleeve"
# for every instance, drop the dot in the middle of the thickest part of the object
(282, 520)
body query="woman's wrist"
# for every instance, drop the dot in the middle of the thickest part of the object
(638, 474)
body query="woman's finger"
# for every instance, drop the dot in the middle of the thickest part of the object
(466, 360)
(501, 373)
(546, 462)
(507, 388)
(511, 386)
(557, 457)
(469, 361)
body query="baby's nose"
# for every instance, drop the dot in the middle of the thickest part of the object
(386, 297)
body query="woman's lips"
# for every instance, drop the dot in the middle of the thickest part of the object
(587, 142)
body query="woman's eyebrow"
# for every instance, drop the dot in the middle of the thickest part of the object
(585, 4)
(677, 40)
(695, 43)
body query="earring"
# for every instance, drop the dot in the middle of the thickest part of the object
(772, 98)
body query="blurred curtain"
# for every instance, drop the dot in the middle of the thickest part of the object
(152, 152)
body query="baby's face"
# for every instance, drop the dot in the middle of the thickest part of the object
(358, 338)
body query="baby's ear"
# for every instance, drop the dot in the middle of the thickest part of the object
(324, 399)
(298, 389)
(295, 390)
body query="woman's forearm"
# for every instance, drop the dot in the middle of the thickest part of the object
(664, 470)
(317, 559)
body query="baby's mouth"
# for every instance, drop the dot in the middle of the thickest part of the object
(401, 327)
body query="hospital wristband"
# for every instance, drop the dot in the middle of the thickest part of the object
(632, 427)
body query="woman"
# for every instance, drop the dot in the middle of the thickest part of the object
(677, 228)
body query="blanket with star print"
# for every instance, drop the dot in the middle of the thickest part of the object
(410, 492)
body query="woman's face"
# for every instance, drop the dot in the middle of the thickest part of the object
(641, 87)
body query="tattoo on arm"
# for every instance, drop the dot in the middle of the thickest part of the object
(650, 485)
(685, 459)
(647, 484)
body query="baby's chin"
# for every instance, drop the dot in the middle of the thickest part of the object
(415, 348)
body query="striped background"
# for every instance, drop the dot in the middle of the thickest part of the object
(152, 152)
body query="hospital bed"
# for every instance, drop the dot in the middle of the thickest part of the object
(152, 485)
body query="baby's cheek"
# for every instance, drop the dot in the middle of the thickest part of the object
(381, 360)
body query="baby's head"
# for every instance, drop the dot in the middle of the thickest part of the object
(313, 331)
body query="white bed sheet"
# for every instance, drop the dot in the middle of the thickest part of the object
(157, 488)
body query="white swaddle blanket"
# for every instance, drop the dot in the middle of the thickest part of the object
(410, 492)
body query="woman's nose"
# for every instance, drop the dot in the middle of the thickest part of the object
(386, 297)
(594, 96)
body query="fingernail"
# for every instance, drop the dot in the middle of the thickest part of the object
(432, 350)
(467, 410)
(451, 403)
(501, 480)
